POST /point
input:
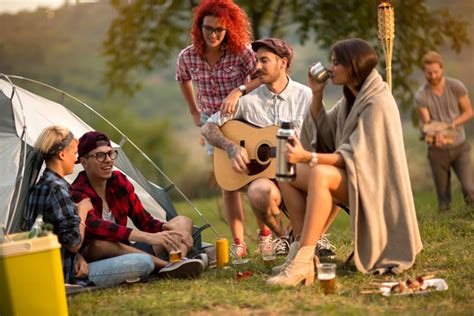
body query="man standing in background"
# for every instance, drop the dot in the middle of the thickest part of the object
(444, 107)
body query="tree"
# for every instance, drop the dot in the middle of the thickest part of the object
(146, 33)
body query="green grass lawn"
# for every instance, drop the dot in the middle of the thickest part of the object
(448, 250)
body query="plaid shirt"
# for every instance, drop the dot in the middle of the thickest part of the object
(51, 198)
(123, 203)
(213, 85)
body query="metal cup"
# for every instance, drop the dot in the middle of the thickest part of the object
(319, 73)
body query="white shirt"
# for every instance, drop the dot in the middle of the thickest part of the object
(263, 108)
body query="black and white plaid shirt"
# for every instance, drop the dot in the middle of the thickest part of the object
(51, 197)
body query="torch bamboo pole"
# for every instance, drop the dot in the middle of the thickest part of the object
(386, 35)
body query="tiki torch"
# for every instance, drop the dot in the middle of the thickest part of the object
(386, 23)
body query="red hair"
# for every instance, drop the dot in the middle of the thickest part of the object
(235, 21)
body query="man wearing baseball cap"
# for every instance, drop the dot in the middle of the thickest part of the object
(114, 200)
(278, 99)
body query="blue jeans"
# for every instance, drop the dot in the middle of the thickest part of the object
(117, 270)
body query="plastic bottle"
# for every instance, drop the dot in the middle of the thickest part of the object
(2, 233)
(285, 171)
(36, 229)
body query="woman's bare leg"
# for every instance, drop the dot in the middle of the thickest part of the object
(325, 183)
(234, 213)
(294, 195)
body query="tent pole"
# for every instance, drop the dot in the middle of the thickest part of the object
(123, 136)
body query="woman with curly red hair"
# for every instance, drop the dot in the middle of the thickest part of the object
(220, 64)
(220, 61)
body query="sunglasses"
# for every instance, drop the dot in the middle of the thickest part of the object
(101, 156)
(209, 30)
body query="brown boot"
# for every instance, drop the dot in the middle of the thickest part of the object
(291, 255)
(300, 269)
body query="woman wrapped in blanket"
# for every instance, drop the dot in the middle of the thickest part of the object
(351, 154)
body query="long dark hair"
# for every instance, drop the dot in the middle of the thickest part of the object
(360, 57)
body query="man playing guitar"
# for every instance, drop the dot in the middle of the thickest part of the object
(278, 99)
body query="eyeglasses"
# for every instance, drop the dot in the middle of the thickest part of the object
(209, 30)
(100, 156)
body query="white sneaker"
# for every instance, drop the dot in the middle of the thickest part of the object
(239, 251)
(264, 242)
(204, 260)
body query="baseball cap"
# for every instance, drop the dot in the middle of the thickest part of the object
(276, 45)
(90, 141)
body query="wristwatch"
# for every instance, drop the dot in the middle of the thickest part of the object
(314, 160)
(243, 89)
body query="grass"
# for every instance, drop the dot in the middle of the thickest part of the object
(448, 250)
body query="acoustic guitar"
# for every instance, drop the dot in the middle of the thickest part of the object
(260, 144)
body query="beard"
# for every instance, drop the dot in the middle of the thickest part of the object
(434, 81)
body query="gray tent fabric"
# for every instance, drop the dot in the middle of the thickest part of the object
(23, 116)
(33, 165)
(10, 150)
(6, 119)
(158, 193)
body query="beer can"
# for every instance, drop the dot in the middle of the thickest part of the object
(222, 252)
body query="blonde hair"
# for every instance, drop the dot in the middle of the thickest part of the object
(52, 140)
(432, 57)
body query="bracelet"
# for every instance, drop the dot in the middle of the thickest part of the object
(314, 160)
(82, 223)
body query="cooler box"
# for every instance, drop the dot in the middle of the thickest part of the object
(31, 277)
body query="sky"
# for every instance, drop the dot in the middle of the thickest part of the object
(14, 6)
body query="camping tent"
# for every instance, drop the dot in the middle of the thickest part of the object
(23, 116)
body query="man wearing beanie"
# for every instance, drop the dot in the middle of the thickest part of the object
(114, 200)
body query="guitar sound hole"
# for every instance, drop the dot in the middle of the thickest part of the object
(263, 152)
(255, 167)
(262, 162)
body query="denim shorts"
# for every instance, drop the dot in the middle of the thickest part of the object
(209, 147)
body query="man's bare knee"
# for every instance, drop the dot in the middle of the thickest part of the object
(264, 195)
(103, 245)
(259, 194)
(101, 249)
(182, 223)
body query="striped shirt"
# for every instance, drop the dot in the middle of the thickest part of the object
(214, 84)
(51, 198)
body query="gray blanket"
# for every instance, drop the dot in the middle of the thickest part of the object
(370, 140)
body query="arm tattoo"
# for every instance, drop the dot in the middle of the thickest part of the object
(215, 137)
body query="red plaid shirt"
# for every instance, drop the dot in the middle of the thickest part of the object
(213, 85)
(123, 203)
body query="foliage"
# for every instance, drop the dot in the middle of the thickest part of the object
(142, 33)
(446, 239)
(147, 33)
(63, 50)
